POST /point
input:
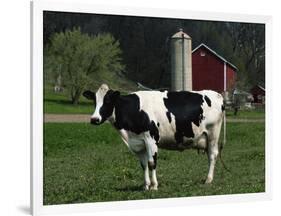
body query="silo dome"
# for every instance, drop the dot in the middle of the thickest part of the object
(181, 34)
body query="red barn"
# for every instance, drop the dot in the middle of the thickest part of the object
(211, 71)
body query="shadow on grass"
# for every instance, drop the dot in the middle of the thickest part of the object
(136, 188)
(66, 102)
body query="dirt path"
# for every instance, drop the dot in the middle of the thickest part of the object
(66, 118)
(86, 118)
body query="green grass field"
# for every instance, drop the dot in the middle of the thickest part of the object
(83, 163)
(59, 103)
(246, 114)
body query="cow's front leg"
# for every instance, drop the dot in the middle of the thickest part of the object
(154, 182)
(144, 165)
(150, 146)
(151, 151)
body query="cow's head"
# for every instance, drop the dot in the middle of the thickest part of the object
(105, 100)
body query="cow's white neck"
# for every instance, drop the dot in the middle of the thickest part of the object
(99, 100)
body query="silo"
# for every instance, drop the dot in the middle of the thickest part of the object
(181, 65)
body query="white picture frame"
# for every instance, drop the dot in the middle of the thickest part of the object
(37, 8)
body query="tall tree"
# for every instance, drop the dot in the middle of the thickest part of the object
(81, 59)
(248, 42)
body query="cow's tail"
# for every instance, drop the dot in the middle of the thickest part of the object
(222, 144)
(224, 128)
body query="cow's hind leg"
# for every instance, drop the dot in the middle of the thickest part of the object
(144, 164)
(212, 157)
(213, 139)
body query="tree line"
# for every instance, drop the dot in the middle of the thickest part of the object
(144, 54)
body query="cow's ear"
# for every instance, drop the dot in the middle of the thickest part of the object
(115, 95)
(89, 95)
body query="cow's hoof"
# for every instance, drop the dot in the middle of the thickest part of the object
(146, 187)
(208, 181)
(154, 187)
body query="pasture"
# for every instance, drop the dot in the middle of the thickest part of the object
(59, 103)
(258, 113)
(83, 163)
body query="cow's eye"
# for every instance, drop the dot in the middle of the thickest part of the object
(107, 100)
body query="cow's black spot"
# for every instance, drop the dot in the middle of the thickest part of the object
(108, 104)
(128, 115)
(155, 160)
(222, 108)
(179, 136)
(158, 124)
(186, 107)
(154, 165)
(207, 99)
(154, 132)
(168, 114)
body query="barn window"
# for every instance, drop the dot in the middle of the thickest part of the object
(202, 53)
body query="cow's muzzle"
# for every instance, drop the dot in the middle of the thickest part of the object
(95, 121)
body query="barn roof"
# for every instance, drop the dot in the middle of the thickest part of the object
(216, 54)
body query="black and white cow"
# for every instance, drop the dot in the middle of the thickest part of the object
(148, 120)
